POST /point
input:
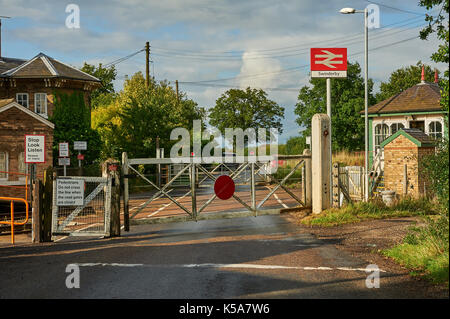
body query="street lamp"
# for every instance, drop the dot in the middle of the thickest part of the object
(366, 95)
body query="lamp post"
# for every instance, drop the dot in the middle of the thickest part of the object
(366, 95)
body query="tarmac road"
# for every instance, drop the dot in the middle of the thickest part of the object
(262, 257)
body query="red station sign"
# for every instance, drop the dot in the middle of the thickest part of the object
(329, 62)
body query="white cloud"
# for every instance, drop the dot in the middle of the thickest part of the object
(115, 28)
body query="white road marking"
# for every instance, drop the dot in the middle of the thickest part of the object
(277, 198)
(241, 266)
(167, 205)
(157, 197)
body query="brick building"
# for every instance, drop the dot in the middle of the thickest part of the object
(417, 107)
(27, 89)
(407, 147)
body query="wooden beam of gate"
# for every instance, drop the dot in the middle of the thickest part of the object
(234, 174)
(160, 190)
(287, 189)
(344, 191)
(280, 184)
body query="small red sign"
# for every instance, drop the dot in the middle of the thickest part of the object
(80, 157)
(113, 167)
(328, 59)
(224, 187)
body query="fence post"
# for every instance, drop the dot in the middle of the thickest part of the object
(307, 179)
(46, 205)
(37, 221)
(110, 169)
(405, 180)
(336, 188)
(362, 185)
(126, 211)
(193, 190)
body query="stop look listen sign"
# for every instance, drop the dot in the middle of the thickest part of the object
(34, 149)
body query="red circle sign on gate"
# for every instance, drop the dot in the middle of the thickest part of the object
(224, 187)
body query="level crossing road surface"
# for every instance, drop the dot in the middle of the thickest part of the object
(253, 257)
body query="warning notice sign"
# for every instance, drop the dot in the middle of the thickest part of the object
(34, 148)
(69, 192)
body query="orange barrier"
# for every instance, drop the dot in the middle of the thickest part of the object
(16, 186)
(12, 223)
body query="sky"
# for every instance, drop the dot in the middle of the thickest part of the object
(210, 46)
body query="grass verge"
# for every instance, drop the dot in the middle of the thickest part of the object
(425, 251)
(371, 210)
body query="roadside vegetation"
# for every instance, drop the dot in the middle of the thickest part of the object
(425, 250)
(376, 209)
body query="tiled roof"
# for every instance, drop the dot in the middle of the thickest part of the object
(43, 66)
(413, 134)
(9, 63)
(422, 97)
(4, 102)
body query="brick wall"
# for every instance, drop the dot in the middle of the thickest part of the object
(397, 153)
(14, 125)
(32, 86)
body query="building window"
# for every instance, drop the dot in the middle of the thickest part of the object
(3, 165)
(381, 133)
(395, 127)
(22, 167)
(22, 99)
(435, 129)
(40, 104)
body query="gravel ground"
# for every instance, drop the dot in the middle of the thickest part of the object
(366, 240)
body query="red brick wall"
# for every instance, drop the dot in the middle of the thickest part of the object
(32, 86)
(14, 125)
(397, 153)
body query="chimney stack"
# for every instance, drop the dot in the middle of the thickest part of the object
(422, 80)
(436, 77)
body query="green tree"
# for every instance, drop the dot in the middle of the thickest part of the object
(347, 100)
(72, 123)
(402, 79)
(295, 145)
(105, 93)
(138, 115)
(437, 166)
(249, 108)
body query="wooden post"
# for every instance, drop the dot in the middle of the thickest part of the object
(336, 188)
(307, 182)
(147, 64)
(178, 95)
(405, 180)
(111, 168)
(47, 204)
(36, 228)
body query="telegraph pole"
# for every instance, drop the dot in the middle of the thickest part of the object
(178, 95)
(147, 64)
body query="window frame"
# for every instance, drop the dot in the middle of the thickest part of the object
(43, 114)
(28, 99)
(396, 125)
(6, 167)
(375, 135)
(432, 133)
(25, 171)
